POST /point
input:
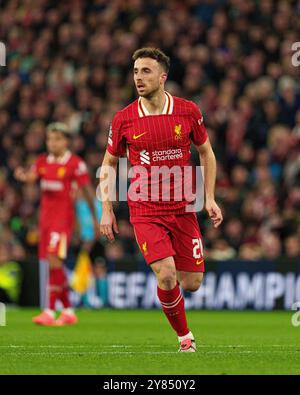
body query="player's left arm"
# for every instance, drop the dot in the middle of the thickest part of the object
(200, 138)
(208, 161)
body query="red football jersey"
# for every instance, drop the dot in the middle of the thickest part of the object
(57, 182)
(153, 141)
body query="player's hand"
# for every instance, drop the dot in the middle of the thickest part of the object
(108, 225)
(214, 212)
(96, 229)
(20, 174)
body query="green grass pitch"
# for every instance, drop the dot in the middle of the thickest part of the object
(141, 342)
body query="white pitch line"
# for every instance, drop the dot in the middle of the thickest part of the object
(78, 346)
(55, 354)
(139, 345)
(95, 353)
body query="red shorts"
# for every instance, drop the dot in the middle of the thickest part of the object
(54, 241)
(170, 235)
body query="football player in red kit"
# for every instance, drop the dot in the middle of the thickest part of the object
(157, 129)
(57, 171)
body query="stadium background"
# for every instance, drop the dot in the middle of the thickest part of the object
(71, 62)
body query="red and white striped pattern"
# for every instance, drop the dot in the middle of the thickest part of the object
(168, 107)
(173, 304)
(179, 124)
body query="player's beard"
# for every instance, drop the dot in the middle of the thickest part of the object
(151, 94)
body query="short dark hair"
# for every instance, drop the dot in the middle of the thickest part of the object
(153, 53)
(59, 127)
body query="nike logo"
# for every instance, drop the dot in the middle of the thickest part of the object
(138, 135)
(199, 262)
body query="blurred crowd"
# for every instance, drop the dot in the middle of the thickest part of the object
(70, 61)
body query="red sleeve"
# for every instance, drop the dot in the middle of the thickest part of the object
(81, 174)
(116, 144)
(198, 134)
(38, 166)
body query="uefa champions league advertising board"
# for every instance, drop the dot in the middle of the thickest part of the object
(232, 285)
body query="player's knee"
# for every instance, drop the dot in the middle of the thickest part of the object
(191, 285)
(166, 274)
(167, 280)
(54, 261)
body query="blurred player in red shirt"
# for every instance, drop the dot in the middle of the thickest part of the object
(157, 129)
(57, 171)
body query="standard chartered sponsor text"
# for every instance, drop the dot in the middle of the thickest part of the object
(169, 154)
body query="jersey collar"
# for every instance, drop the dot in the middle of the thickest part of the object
(63, 160)
(168, 107)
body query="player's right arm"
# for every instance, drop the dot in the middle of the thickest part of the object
(108, 224)
(115, 148)
(24, 175)
(32, 173)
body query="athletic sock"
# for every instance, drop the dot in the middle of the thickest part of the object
(53, 287)
(65, 298)
(64, 294)
(188, 336)
(50, 312)
(69, 311)
(173, 306)
(57, 284)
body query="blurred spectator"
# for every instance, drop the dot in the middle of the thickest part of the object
(292, 246)
(114, 252)
(271, 246)
(250, 251)
(234, 232)
(221, 251)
